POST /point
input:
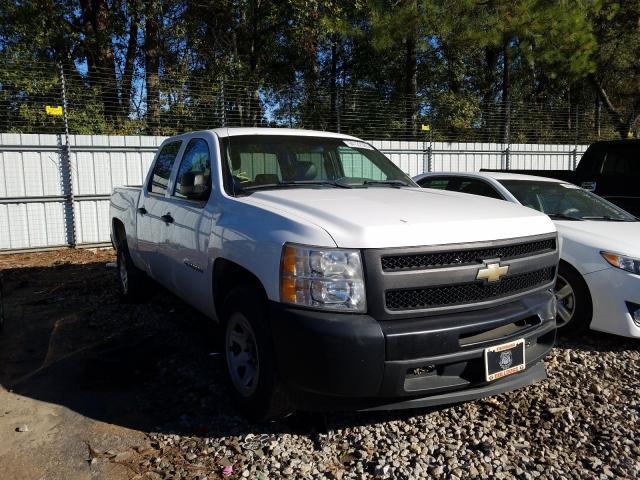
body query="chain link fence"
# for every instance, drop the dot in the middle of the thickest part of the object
(32, 100)
(68, 137)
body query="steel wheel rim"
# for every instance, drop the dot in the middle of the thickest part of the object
(241, 352)
(124, 276)
(566, 301)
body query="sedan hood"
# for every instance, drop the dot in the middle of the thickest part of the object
(616, 237)
(381, 217)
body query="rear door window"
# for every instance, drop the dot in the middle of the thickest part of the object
(439, 183)
(477, 187)
(162, 168)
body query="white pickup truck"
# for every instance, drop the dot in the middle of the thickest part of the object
(338, 282)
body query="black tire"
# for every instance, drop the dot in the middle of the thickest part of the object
(265, 398)
(132, 282)
(575, 310)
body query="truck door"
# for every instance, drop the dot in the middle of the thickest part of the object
(154, 214)
(189, 234)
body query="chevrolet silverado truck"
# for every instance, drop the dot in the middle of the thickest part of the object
(337, 281)
(610, 169)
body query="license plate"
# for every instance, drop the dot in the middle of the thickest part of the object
(503, 360)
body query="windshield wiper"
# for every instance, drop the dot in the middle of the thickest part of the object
(607, 218)
(391, 183)
(295, 183)
(562, 216)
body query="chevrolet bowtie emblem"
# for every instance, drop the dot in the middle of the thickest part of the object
(492, 273)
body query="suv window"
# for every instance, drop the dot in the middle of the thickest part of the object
(622, 161)
(193, 181)
(477, 187)
(162, 168)
(591, 162)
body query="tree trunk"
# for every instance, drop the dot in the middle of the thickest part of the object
(334, 124)
(152, 65)
(598, 113)
(505, 89)
(411, 84)
(622, 124)
(129, 63)
(96, 20)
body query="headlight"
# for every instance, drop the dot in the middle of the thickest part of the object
(330, 279)
(620, 261)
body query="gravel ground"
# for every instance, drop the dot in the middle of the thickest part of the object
(155, 369)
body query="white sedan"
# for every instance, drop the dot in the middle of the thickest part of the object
(598, 284)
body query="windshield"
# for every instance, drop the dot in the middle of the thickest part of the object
(279, 161)
(564, 200)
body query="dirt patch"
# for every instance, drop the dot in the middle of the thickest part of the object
(81, 371)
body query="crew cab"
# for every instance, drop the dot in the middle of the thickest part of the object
(610, 169)
(337, 281)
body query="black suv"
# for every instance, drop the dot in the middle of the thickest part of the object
(612, 170)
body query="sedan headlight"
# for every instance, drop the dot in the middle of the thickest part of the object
(620, 261)
(325, 278)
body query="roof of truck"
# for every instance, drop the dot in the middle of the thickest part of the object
(235, 131)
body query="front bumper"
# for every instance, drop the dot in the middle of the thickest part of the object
(612, 290)
(353, 361)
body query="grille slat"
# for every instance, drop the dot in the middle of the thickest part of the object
(460, 294)
(423, 261)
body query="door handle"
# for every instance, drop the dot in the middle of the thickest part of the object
(167, 218)
(142, 211)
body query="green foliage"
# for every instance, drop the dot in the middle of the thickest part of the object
(370, 67)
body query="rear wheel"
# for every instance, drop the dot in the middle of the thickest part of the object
(575, 309)
(132, 281)
(249, 356)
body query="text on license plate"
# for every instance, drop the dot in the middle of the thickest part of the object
(505, 359)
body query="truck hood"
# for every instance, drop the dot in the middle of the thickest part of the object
(380, 217)
(615, 237)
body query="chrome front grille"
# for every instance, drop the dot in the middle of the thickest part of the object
(461, 294)
(405, 282)
(421, 261)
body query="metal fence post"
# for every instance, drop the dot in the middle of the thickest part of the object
(575, 150)
(223, 104)
(430, 151)
(425, 157)
(65, 167)
(506, 136)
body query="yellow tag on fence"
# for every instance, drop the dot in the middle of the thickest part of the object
(426, 128)
(53, 110)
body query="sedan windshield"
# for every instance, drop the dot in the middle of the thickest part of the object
(279, 161)
(565, 201)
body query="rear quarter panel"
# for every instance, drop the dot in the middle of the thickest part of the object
(123, 207)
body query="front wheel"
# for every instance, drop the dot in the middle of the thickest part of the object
(249, 356)
(575, 309)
